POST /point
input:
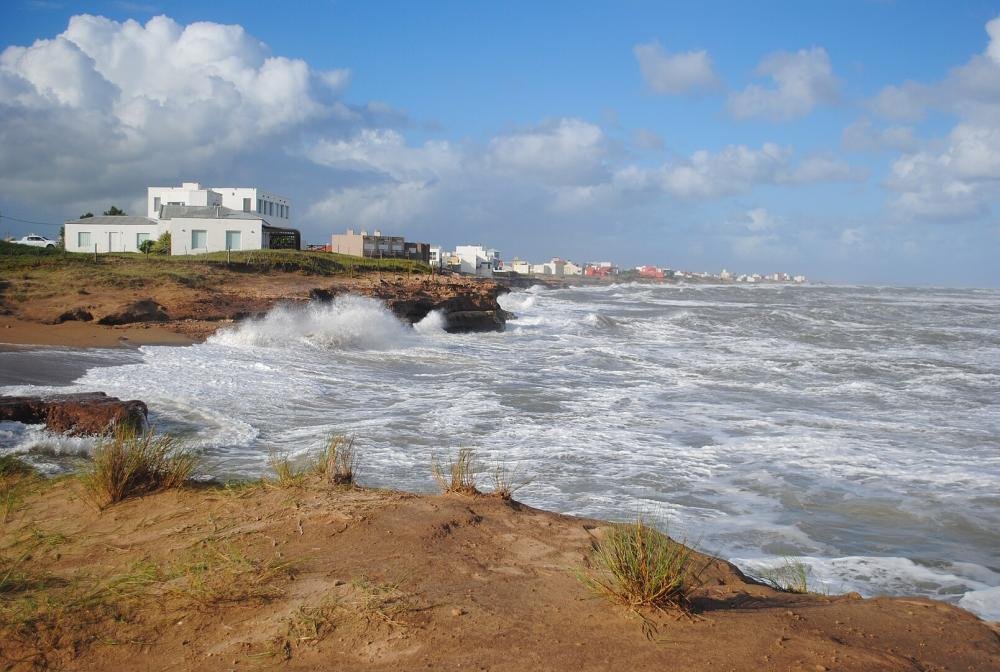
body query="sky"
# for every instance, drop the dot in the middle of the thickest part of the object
(849, 141)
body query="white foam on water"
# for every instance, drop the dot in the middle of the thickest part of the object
(346, 322)
(758, 422)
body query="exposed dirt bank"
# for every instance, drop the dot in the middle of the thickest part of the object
(319, 577)
(47, 308)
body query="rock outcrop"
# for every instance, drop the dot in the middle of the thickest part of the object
(144, 310)
(465, 306)
(87, 413)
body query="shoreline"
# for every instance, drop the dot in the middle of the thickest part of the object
(302, 573)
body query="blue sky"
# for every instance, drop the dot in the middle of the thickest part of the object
(851, 141)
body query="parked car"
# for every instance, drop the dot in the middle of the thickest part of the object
(37, 241)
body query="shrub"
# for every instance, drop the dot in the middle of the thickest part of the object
(460, 475)
(638, 566)
(162, 244)
(127, 464)
(147, 246)
(338, 460)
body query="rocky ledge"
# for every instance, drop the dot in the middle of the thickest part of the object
(87, 413)
(466, 306)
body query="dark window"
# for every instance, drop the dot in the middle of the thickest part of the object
(246, 205)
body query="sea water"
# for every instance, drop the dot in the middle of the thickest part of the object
(853, 429)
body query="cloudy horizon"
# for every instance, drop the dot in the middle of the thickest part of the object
(846, 147)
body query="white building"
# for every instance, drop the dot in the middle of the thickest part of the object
(569, 268)
(198, 219)
(275, 210)
(478, 260)
(437, 256)
(110, 234)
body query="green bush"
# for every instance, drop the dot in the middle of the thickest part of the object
(162, 244)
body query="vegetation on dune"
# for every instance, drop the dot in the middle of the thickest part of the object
(126, 464)
(792, 576)
(36, 272)
(506, 480)
(639, 567)
(337, 460)
(458, 476)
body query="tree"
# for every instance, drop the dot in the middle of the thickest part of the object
(86, 215)
(147, 246)
(113, 211)
(162, 244)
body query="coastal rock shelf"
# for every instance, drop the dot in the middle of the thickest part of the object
(86, 413)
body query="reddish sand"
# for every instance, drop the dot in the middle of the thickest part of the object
(318, 577)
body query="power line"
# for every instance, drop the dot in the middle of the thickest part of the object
(28, 221)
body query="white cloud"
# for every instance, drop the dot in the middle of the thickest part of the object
(644, 138)
(107, 107)
(851, 236)
(564, 151)
(801, 81)
(862, 136)
(385, 151)
(957, 183)
(760, 220)
(824, 168)
(676, 73)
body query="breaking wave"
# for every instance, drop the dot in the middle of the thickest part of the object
(346, 322)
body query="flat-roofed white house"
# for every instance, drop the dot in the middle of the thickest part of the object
(198, 219)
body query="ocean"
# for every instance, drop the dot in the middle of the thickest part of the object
(853, 429)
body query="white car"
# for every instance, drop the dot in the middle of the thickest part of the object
(37, 241)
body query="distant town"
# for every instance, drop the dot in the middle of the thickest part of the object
(194, 219)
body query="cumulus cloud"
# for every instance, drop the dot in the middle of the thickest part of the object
(385, 151)
(677, 73)
(564, 151)
(956, 177)
(106, 107)
(958, 183)
(800, 81)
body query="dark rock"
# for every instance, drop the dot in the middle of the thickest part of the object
(144, 310)
(461, 321)
(75, 315)
(322, 295)
(87, 413)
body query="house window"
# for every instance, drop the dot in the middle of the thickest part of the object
(260, 205)
(199, 239)
(270, 208)
(288, 212)
(234, 240)
(156, 204)
(246, 205)
(83, 239)
(139, 238)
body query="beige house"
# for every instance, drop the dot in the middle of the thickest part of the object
(378, 246)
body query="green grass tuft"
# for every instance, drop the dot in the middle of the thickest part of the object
(337, 460)
(639, 567)
(127, 464)
(792, 576)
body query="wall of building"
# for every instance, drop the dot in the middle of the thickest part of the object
(108, 237)
(348, 243)
(215, 234)
(274, 209)
(189, 193)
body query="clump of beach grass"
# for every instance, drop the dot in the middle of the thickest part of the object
(639, 567)
(127, 464)
(506, 480)
(17, 479)
(459, 476)
(792, 576)
(337, 460)
(285, 472)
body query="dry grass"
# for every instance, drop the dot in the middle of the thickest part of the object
(127, 464)
(17, 480)
(459, 477)
(639, 567)
(791, 577)
(286, 474)
(338, 460)
(379, 602)
(506, 480)
(214, 573)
